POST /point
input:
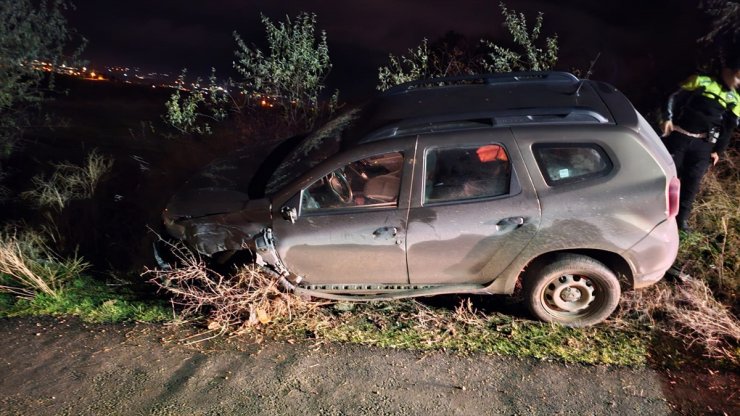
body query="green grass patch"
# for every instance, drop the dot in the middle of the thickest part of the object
(413, 326)
(90, 300)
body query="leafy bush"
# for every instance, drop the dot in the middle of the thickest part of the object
(287, 80)
(291, 74)
(532, 58)
(425, 62)
(30, 32)
(192, 111)
(415, 65)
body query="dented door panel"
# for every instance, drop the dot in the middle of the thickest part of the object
(470, 241)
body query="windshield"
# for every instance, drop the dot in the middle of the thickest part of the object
(314, 149)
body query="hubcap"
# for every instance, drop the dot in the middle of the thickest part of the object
(569, 293)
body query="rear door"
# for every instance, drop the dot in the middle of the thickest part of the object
(473, 207)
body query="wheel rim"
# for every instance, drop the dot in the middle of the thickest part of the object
(571, 296)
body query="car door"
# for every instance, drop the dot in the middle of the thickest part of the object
(473, 209)
(352, 237)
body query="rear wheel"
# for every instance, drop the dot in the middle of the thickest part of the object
(573, 290)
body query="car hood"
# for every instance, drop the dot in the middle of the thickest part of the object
(224, 185)
(199, 202)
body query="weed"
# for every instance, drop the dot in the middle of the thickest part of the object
(448, 59)
(69, 182)
(688, 313)
(30, 267)
(37, 282)
(712, 252)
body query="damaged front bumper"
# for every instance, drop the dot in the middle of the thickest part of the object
(218, 244)
(266, 254)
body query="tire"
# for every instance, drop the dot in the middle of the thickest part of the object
(573, 290)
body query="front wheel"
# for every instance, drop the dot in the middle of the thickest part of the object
(573, 290)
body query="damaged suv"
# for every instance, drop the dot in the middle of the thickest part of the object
(476, 185)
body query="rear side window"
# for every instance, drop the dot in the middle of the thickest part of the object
(567, 163)
(466, 173)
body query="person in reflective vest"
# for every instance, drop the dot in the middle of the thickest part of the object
(700, 118)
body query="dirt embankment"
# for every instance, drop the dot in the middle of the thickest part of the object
(55, 367)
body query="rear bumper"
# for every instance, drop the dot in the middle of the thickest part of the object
(652, 256)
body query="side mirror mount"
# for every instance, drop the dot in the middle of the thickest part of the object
(289, 214)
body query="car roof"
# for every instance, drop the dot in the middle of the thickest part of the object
(479, 101)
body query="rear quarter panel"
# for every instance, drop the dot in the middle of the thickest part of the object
(610, 213)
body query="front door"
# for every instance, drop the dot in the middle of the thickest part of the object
(350, 226)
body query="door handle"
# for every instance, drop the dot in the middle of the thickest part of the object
(385, 232)
(516, 222)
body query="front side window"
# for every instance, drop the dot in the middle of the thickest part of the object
(466, 173)
(371, 182)
(567, 163)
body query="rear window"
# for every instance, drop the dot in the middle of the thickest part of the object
(568, 163)
(466, 173)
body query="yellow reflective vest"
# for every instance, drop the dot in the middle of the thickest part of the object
(728, 99)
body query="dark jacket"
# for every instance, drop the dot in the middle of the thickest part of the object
(702, 104)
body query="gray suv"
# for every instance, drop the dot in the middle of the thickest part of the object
(476, 185)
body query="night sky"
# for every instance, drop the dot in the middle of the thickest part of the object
(645, 49)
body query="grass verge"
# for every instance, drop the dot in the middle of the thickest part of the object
(412, 325)
(88, 299)
(36, 281)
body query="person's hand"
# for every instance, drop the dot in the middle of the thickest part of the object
(715, 158)
(666, 127)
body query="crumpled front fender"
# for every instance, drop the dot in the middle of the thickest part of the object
(214, 234)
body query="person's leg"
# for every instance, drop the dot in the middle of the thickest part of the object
(677, 143)
(695, 164)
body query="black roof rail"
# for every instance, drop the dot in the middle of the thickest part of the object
(496, 118)
(488, 79)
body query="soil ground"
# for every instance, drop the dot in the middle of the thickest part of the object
(65, 367)
(70, 368)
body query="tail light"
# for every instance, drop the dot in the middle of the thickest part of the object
(672, 194)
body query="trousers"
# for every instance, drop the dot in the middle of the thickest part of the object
(692, 159)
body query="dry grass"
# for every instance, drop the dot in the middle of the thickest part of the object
(702, 319)
(688, 312)
(28, 266)
(702, 311)
(68, 182)
(250, 297)
(712, 251)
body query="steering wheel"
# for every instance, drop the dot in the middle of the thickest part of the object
(339, 186)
